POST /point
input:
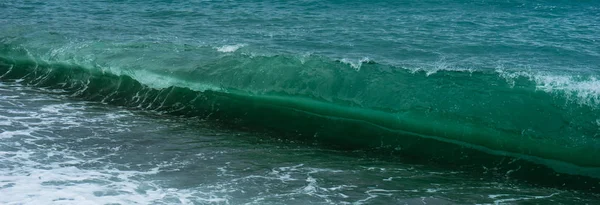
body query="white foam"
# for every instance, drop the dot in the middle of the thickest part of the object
(161, 81)
(11, 134)
(53, 175)
(71, 185)
(586, 91)
(443, 66)
(583, 90)
(229, 48)
(5, 121)
(57, 108)
(356, 64)
(40, 168)
(434, 67)
(503, 201)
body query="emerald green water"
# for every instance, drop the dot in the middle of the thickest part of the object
(306, 102)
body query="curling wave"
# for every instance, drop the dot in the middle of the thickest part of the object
(475, 118)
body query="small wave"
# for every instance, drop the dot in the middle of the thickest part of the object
(229, 48)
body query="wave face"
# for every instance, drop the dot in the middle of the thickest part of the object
(521, 124)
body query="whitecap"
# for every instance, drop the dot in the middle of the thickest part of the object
(229, 48)
(582, 90)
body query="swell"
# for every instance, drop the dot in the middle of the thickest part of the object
(473, 120)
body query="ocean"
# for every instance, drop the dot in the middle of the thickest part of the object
(299, 102)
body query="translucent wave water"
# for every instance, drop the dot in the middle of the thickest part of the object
(354, 108)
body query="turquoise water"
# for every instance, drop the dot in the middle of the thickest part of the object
(299, 102)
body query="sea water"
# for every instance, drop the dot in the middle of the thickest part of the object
(307, 102)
